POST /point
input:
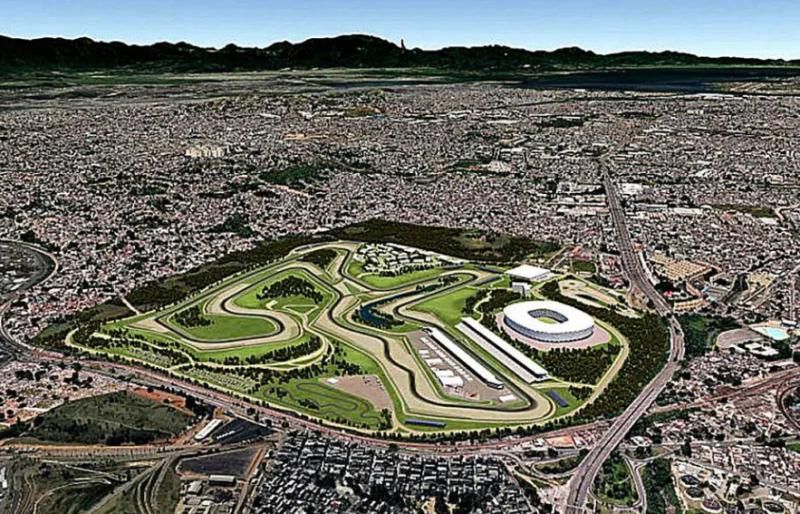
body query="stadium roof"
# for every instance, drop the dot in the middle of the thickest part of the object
(570, 319)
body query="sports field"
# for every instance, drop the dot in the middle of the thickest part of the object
(286, 333)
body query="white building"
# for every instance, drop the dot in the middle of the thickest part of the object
(465, 358)
(548, 321)
(529, 273)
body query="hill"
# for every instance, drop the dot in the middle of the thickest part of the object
(348, 51)
(114, 419)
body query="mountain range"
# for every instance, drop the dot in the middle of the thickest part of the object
(348, 51)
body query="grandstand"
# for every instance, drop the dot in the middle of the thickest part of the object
(465, 358)
(520, 364)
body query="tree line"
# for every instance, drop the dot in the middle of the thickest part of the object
(291, 286)
(192, 317)
(648, 340)
(320, 258)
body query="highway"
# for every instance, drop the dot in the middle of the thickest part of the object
(244, 409)
(581, 483)
(636, 477)
(49, 266)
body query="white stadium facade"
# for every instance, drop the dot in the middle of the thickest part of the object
(564, 323)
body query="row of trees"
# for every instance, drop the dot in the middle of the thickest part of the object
(283, 354)
(334, 363)
(192, 317)
(479, 245)
(161, 293)
(320, 258)
(120, 339)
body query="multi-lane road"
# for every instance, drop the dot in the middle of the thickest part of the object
(581, 483)
(47, 267)
(582, 480)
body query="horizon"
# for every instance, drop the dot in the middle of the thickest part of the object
(397, 43)
(714, 29)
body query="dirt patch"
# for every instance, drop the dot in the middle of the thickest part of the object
(368, 387)
(152, 325)
(162, 397)
(564, 441)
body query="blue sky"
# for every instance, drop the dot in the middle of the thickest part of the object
(765, 28)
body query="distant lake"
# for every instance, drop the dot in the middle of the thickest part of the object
(678, 80)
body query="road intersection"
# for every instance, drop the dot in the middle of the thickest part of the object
(581, 483)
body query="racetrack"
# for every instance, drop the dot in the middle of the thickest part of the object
(408, 381)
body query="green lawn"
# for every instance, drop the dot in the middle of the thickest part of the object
(574, 403)
(504, 282)
(583, 266)
(450, 424)
(614, 483)
(302, 309)
(229, 327)
(328, 402)
(249, 298)
(381, 282)
(355, 268)
(447, 307)
(243, 352)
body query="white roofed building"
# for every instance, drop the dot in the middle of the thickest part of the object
(529, 273)
(548, 321)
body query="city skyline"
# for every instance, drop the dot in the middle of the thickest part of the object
(715, 28)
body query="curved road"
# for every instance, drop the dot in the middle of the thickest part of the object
(581, 483)
(49, 267)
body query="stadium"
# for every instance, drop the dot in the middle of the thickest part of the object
(548, 321)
